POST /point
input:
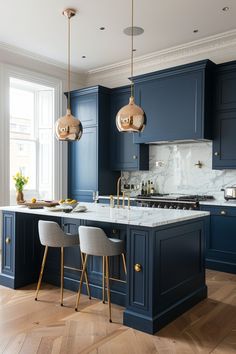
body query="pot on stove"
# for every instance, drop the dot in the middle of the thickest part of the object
(229, 193)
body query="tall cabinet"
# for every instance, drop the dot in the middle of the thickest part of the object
(224, 143)
(88, 159)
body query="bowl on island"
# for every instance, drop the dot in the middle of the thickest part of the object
(68, 203)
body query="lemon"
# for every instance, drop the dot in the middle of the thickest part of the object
(33, 200)
(62, 201)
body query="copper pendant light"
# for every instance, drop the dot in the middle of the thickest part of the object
(131, 118)
(68, 128)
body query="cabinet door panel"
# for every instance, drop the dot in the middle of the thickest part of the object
(222, 237)
(83, 162)
(85, 108)
(8, 244)
(224, 144)
(124, 153)
(221, 240)
(173, 107)
(138, 253)
(72, 256)
(226, 88)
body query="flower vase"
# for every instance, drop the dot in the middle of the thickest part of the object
(19, 197)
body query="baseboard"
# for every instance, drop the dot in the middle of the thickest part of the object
(221, 266)
(7, 280)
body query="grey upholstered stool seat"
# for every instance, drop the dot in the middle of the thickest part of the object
(94, 242)
(51, 235)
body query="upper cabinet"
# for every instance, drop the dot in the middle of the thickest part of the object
(88, 159)
(124, 153)
(224, 143)
(226, 86)
(177, 103)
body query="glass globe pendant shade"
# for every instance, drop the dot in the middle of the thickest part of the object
(131, 118)
(68, 128)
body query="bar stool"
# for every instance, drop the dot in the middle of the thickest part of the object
(51, 235)
(94, 242)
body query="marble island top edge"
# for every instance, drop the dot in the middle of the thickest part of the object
(146, 217)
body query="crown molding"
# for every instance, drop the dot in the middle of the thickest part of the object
(199, 49)
(33, 56)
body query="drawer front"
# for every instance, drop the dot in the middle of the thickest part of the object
(219, 210)
(8, 244)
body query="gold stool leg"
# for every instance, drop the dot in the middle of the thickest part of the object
(86, 277)
(62, 274)
(108, 288)
(81, 282)
(103, 280)
(41, 272)
(124, 263)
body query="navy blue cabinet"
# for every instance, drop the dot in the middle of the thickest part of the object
(224, 142)
(88, 159)
(125, 154)
(22, 252)
(221, 240)
(8, 244)
(177, 103)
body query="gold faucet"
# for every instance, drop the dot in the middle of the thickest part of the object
(118, 192)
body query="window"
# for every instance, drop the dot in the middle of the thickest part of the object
(32, 137)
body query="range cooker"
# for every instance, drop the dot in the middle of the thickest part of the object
(172, 201)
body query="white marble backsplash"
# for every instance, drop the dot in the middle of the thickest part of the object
(177, 172)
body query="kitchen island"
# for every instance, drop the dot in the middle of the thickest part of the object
(165, 251)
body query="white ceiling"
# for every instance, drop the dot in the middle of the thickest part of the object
(38, 26)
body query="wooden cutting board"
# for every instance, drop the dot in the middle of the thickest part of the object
(39, 204)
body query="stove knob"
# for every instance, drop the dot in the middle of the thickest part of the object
(159, 206)
(178, 207)
(171, 207)
(190, 208)
(184, 208)
(165, 207)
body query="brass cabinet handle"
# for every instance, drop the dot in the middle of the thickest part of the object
(217, 153)
(134, 157)
(223, 212)
(8, 240)
(114, 231)
(137, 267)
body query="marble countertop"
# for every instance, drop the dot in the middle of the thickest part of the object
(224, 203)
(147, 217)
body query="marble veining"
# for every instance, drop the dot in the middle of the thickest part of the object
(147, 217)
(178, 173)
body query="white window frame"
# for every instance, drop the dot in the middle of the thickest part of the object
(6, 72)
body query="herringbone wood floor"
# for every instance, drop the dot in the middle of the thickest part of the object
(30, 327)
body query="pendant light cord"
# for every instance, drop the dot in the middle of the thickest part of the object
(132, 48)
(68, 74)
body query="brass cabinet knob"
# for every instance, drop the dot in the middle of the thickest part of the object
(137, 267)
(114, 231)
(135, 157)
(8, 240)
(217, 153)
(223, 212)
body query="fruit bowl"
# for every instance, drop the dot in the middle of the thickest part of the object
(68, 203)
